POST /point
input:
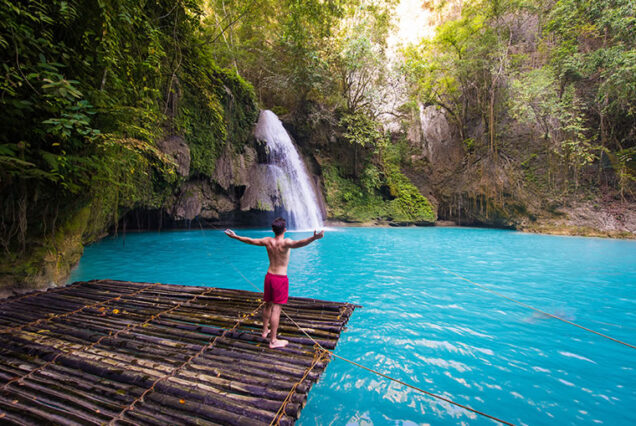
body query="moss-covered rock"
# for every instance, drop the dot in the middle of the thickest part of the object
(352, 202)
(51, 262)
(409, 205)
(218, 108)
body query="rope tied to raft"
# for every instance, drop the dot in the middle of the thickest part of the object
(110, 334)
(533, 308)
(176, 370)
(439, 397)
(319, 355)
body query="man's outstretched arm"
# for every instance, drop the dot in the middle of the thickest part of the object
(247, 240)
(306, 241)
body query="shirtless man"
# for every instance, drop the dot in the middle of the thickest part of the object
(276, 283)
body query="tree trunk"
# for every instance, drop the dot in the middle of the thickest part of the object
(491, 121)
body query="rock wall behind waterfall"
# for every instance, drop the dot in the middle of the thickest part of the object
(243, 190)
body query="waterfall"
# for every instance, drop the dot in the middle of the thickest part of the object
(288, 172)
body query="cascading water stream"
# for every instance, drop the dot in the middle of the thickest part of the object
(288, 171)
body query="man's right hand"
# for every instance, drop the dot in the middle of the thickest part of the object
(319, 235)
(230, 233)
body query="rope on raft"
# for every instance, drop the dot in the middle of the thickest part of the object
(176, 370)
(372, 370)
(319, 355)
(129, 327)
(10, 330)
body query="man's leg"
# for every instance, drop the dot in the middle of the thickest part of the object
(267, 313)
(273, 321)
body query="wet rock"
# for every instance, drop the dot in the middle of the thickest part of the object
(233, 169)
(177, 148)
(214, 203)
(189, 202)
(200, 198)
(263, 189)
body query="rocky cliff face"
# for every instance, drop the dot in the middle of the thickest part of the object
(177, 148)
(470, 188)
(435, 140)
(242, 191)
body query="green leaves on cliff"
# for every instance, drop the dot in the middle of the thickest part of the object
(87, 90)
(219, 107)
(348, 201)
(563, 69)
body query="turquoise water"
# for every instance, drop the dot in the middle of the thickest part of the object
(425, 326)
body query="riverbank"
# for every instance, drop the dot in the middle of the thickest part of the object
(584, 219)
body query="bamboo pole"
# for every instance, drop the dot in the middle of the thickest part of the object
(93, 348)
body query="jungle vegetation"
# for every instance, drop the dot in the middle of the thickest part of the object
(545, 88)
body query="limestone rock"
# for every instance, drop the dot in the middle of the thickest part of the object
(215, 204)
(177, 148)
(189, 202)
(199, 198)
(437, 141)
(263, 189)
(233, 169)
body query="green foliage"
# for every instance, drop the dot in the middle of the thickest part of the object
(219, 108)
(408, 205)
(624, 162)
(463, 68)
(87, 90)
(534, 99)
(279, 46)
(574, 83)
(359, 129)
(350, 201)
(358, 60)
(593, 48)
(574, 142)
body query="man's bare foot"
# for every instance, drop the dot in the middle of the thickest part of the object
(264, 334)
(280, 343)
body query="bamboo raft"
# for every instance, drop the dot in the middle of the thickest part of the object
(118, 352)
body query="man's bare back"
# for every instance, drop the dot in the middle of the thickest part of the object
(278, 248)
(278, 252)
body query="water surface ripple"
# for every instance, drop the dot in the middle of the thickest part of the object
(423, 325)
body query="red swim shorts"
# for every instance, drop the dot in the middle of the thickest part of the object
(276, 288)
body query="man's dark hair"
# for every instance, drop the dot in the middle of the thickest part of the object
(278, 225)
